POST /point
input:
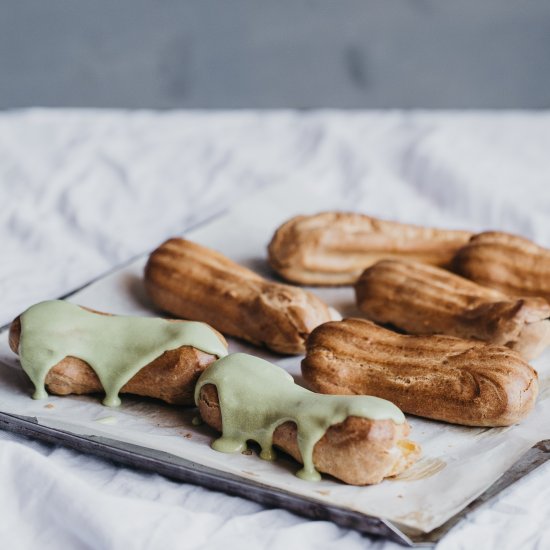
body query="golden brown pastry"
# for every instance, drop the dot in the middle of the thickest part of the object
(441, 377)
(333, 248)
(422, 299)
(171, 376)
(507, 262)
(195, 282)
(358, 451)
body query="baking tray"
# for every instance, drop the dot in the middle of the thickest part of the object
(178, 468)
(270, 210)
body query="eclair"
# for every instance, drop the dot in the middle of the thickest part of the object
(422, 299)
(191, 281)
(509, 263)
(359, 440)
(440, 377)
(334, 248)
(67, 349)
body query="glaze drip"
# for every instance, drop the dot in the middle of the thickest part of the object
(256, 397)
(115, 347)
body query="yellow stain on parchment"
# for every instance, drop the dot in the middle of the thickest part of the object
(424, 468)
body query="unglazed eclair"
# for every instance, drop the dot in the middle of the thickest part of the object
(359, 440)
(72, 350)
(440, 377)
(333, 248)
(422, 299)
(509, 263)
(194, 282)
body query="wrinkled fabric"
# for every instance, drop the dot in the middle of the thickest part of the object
(82, 191)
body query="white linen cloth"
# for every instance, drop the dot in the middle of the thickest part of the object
(81, 191)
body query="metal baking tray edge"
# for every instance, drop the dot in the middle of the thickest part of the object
(181, 469)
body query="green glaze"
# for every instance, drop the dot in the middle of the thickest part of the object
(115, 347)
(197, 421)
(107, 420)
(256, 396)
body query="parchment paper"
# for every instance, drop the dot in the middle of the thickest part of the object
(458, 463)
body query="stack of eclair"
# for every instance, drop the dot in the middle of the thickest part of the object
(449, 321)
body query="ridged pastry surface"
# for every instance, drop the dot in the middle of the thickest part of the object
(194, 282)
(422, 299)
(333, 248)
(439, 377)
(509, 263)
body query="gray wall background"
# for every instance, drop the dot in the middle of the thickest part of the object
(278, 53)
